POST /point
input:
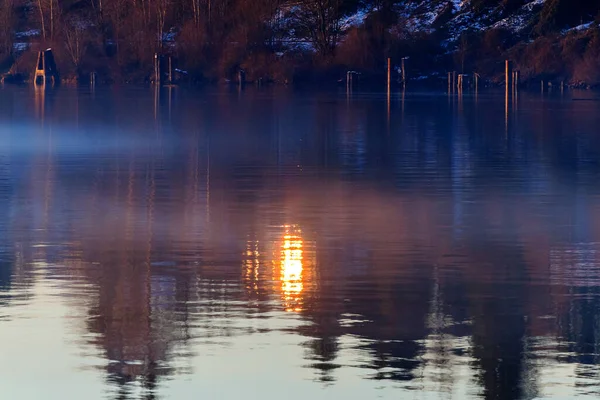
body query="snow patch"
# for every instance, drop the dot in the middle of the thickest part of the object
(466, 21)
(580, 28)
(514, 23)
(168, 37)
(20, 46)
(520, 19)
(355, 19)
(27, 34)
(529, 6)
(458, 5)
(293, 44)
(422, 16)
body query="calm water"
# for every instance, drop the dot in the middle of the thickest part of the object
(296, 245)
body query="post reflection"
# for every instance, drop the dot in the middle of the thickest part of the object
(252, 271)
(413, 260)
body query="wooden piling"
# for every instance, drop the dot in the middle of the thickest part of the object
(350, 79)
(40, 70)
(45, 68)
(515, 80)
(506, 96)
(156, 70)
(403, 72)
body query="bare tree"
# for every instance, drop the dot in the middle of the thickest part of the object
(7, 27)
(76, 38)
(161, 7)
(41, 9)
(320, 20)
(48, 13)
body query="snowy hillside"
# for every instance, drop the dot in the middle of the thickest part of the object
(458, 16)
(451, 18)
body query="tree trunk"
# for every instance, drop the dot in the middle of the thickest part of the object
(41, 8)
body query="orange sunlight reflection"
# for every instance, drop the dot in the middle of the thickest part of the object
(291, 268)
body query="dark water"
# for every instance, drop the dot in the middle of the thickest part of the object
(292, 245)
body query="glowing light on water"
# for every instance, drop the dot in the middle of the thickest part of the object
(291, 268)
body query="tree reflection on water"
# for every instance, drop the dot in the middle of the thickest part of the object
(442, 258)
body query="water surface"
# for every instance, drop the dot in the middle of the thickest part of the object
(270, 244)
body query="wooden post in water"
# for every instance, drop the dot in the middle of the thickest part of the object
(449, 81)
(513, 81)
(403, 71)
(45, 68)
(40, 70)
(170, 71)
(506, 95)
(542, 86)
(156, 70)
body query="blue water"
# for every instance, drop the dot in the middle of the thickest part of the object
(277, 243)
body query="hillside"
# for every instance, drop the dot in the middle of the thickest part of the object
(282, 40)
